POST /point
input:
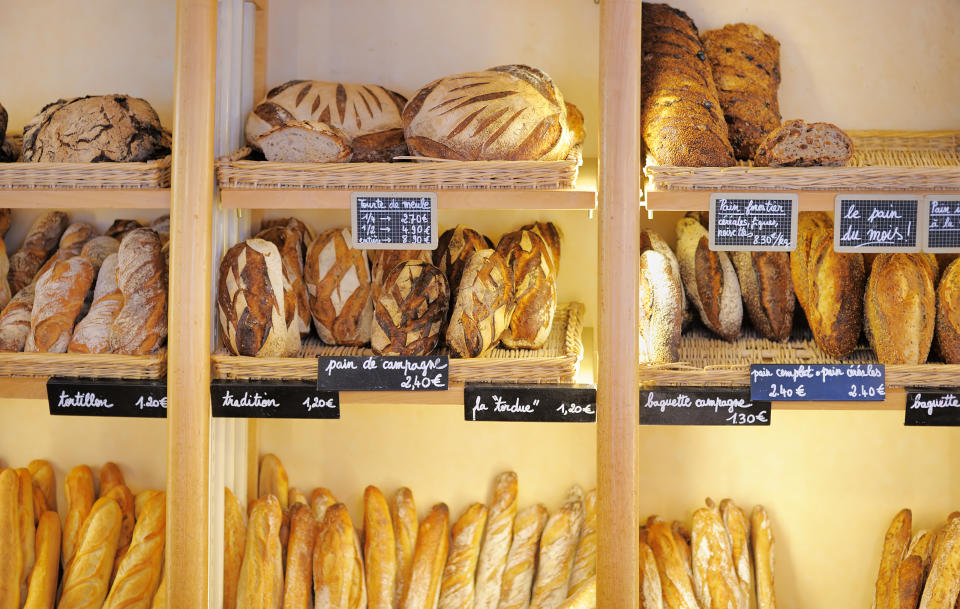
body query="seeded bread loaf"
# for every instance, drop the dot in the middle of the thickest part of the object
(799, 144)
(409, 308)
(710, 280)
(948, 314)
(140, 326)
(484, 305)
(39, 243)
(767, 289)
(899, 310)
(305, 142)
(338, 284)
(534, 289)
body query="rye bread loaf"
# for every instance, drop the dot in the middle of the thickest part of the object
(948, 314)
(534, 289)
(660, 315)
(409, 308)
(15, 320)
(95, 128)
(92, 334)
(250, 300)
(338, 285)
(508, 113)
(899, 309)
(454, 248)
(296, 304)
(59, 297)
(710, 280)
(140, 326)
(799, 144)
(745, 62)
(767, 289)
(681, 118)
(39, 243)
(305, 142)
(484, 305)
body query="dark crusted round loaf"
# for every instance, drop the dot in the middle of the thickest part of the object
(409, 309)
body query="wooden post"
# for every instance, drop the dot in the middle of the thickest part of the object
(188, 369)
(618, 579)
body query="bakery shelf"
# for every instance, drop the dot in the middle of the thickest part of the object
(884, 162)
(102, 365)
(582, 196)
(56, 176)
(86, 198)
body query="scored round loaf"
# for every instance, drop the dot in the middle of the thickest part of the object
(710, 280)
(483, 306)
(660, 315)
(508, 113)
(58, 300)
(899, 310)
(338, 284)
(767, 288)
(250, 300)
(454, 248)
(141, 325)
(384, 261)
(305, 142)
(39, 243)
(296, 304)
(551, 234)
(409, 309)
(306, 233)
(948, 314)
(799, 144)
(534, 289)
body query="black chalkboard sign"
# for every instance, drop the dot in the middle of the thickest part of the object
(533, 403)
(753, 222)
(877, 223)
(383, 373)
(272, 400)
(107, 397)
(818, 382)
(933, 408)
(702, 406)
(394, 220)
(943, 224)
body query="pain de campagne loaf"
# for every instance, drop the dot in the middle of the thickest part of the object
(338, 285)
(409, 308)
(899, 311)
(534, 289)
(140, 327)
(289, 243)
(383, 262)
(484, 305)
(710, 280)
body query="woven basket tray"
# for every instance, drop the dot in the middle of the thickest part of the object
(708, 360)
(882, 160)
(86, 366)
(48, 176)
(557, 362)
(235, 171)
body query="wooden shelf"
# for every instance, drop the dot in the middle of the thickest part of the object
(809, 200)
(582, 196)
(93, 198)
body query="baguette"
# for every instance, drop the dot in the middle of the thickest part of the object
(739, 529)
(39, 504)
(403, 513)
(320, 501)
(298, 583)
(585, 560)
(457, 587)
(661, 308)
(380, 550)
(429, 557)
(260, 585)
(943, 582)
(651, 595)
(912, 570)
(26, 525)
(141, 499)
(42, 588)
(895, 545)
(522, 560)
(11, 561)
(296, 496)
(124, 498)
(110, 476)
(274, 480)
(160, 598)
(683, 537)
(496, 542)
(234, 537)
(672, 568)
(761, 532)
(337, 563)
(79, 493)
(585, 597)
(715, 579)
(87, 576)
(139, 572)
(557, 547)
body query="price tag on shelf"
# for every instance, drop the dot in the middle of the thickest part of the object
(877, 223)
(272, 400)
(107, 397)
(818, 382)
(394, 220)
(753, 222)
(702, 406)
(943, 224)
(383, 373)
(933, 408)
(530, 403)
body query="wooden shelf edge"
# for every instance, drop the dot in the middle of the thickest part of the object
(23, 388)
(809, 200)
(82, 198)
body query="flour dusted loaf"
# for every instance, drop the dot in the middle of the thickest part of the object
(534, 289)
(710, 280)
(92, 333)
(15, 320)
(899, 309)
(71, 244)
(483, 307)
(510, 112)
(140, 326)
(98, 249)
(745, 62)
(39, 243)
(948, 314)
(305, 142)
(95, 128)
(409, 308)
(338, 284)
(660, 314)
(682, 121)
(59, 297)
(799, 144)
(767, 289)
(250, 300)
(454, 248)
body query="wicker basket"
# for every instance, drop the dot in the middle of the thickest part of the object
(48, 176)
(882, 160)
(236, 171)
(708, 360)
(557, 362)
(88, 366)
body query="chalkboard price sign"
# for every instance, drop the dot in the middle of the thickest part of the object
(877, 223)
(943, 224)
(933, 408)
(272, 400)
(702, 406)
(394, 220)
(532, 403)
(818, 382)
(107, 397)
(753, 222)
(383, 373)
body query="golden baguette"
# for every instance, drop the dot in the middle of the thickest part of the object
(39, 506)
(139, 572)
(675, 578)
(284, 536)
(337, 563)
(80, 495)
(895, 545)
(908, 582)
(585, 597)
(27, 527)
(44, 479)
(260, 585)
(298, 583)
(160, 598)
(715, 579)
(522, 560)
(87, 577)
(379, 551)
(141, 499)
(429, 557)
(11, 560)
(682, 535)
(943, 582)
(110, 476)
(557, 547)
(496, 542)
(651, 595)
(273, 480)
(320, 500)
(761, 535)
(738, 527)
(585, 560)
(457, 587)
(42, 589)
(296, 496)
(403, 514)
(124, 498)
(234, 538)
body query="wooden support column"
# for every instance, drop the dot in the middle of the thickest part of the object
(188, 368)
(618, 580)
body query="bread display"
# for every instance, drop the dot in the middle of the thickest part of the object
(799, 144)
(40, 241)
(710, 280)
(409, 308)
(767, 288)
(140, 326)
(948, 314)
(900, 309)
(95, 129)
(338, 283)
(508, 113)
(484, 305)
(534, 289)
(58, 300)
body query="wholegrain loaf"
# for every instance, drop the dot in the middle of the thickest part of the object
(305, 142)
(799, 144)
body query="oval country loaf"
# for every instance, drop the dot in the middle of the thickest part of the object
(409, 309)
(552, 236)
(900, 309)
(948, 314)
(652, 240)
(534, 289)
(660, 316)
(509, 113)
(39, 243)
(454, 248)
(59, 297)
(483, 307)
(140, 326)
(710, 280)
(767, 288)
(338, 284)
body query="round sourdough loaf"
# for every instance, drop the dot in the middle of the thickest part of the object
(250, 300)
(409, 309)
(338, 285)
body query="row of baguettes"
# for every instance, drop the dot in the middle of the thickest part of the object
(293, 553)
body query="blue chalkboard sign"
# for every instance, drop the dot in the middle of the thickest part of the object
(702, 406)
(818, 382)
(943, 224)
(394, 220)
(877, 223)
